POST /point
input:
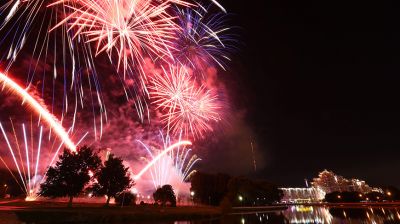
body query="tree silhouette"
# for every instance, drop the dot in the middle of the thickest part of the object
(165, 194)
(125, 198)
(70, 174)
(112, 179)
(209, 189)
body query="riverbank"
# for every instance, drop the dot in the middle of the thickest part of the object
(44, 212)
(348, 204)
(94, 213)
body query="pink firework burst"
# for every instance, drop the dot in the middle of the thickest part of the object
(187, 107)
(171, 89)
(134, 29)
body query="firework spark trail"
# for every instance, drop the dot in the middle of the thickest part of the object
(13, 156)
(44, 113)
(37, 168)
(219, 5)
(129, 27)
(38, 154)
(203, 39)
(172, 167)
(197, 114)
(160, 155)
(32, 20)
(128, 31)
(18, 148)
(12, 174)
(187, 108)
(27, 154)
(133, 29)
(171, 89)
(29, 183)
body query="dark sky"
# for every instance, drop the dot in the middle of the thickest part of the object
(320, 83)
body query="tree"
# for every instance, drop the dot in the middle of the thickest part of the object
(125, 198)
(70, 174)
(209, 189)
(223, 190)
(248, 192)
(164, 195)
(112, 179)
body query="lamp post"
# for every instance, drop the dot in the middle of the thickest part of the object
(5, 189)
(192, 196)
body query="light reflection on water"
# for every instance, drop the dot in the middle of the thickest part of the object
(308, 214)
(387, 214)
(312, 214)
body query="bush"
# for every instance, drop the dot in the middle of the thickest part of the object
(165, 195)
(125, 198)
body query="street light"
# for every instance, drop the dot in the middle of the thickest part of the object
(5, 189)
(240, 197)
(192, 196)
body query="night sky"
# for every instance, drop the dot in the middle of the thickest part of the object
(319, 81)
(313, 84)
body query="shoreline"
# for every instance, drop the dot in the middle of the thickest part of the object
(48, 212)
(113, 214)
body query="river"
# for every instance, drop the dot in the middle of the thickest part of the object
(340, 214)
(313, 214)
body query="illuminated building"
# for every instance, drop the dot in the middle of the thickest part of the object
(330, 182)
(302, 195)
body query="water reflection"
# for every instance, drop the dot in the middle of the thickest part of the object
(313, 214)
(321, 214)
(308, 214)
(367, 215)
(294, 214)
(259, 218)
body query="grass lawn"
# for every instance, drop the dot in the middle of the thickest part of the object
(51, 212)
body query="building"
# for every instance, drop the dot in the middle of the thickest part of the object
(302, 195)
(325, 183)
(330, 182)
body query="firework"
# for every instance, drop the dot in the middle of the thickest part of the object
(173, 167)
(29, 160)
(134, 29)
(203, 39)
(51, 120)
(197, 116)
(171, 89)
(155, 159)
(53, 55)
(186, 106)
